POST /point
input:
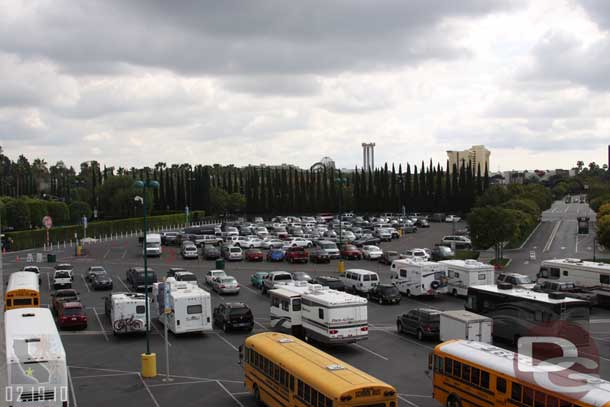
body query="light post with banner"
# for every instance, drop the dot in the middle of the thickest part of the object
(340, 181)
(48, 223)
(149, 360)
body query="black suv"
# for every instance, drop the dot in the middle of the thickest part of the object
(422, 322)
(135, 278)
(385, 293)
(233, 315)
(331, 282)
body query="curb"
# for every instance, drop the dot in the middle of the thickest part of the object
(526, 240)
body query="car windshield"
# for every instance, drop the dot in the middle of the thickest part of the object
(219, 274)
(227, 280)
(62, 274)
(63, 267)
(389, 290)
(431, 317)
(328, 246)
(235, 250)
(373, 249)
(63, 294)
(241, 311)
(523, 280)
(280, 277)
(188, 277)
(71, 312)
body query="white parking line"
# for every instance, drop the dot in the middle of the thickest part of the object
(249, 289)
(552, 237)
(99, 321)
(567, 207)
(49, 279)
(149, 392)
(407, 401)
(261, 325)
(225, 340)
(179, 383)
(124, 285)
(406, 339)
(72, 388)
(124, 254)
(95, 376)
(85, 282)
(371, 352)
(230, 395)
(107, 253)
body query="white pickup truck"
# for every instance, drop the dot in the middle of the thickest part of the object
(62, 276)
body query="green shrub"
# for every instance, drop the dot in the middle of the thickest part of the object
(78, 209)
(59, 212)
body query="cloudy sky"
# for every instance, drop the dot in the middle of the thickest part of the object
(131, 83)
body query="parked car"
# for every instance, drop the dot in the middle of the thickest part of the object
(388, 257)
(330, 248)
(298, 242)
(459, 242)
(366, 239)
(65, 295)
(210, 252)
(233, 253)
(62, 276)
(409, 229)
(516, 280)
(317, 255)
(135, 278)
(452, 218)
(257, 278)
(421, 322)
(233, 315)
(212, 274)
(93, 271)
(173, 270)
(101, 281)
(189, 250)
(273, 278)
(186, 276)
(441, 253)
(349, 251)
(385, 234)
(296, 254)
(249, 242)
(170, 238)
(254, 255)
(423, 254)
(301, 276)
(371, 252)
(71, 314)
(225, 285)
(437, 217)
(330, 282)
(276, 255)
(271, 243)
(422, 223)
(385, 293)
(33, 269)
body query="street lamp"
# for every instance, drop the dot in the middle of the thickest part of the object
(149, 361)
(340, 181)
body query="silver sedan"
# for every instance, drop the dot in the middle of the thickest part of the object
(225, 285)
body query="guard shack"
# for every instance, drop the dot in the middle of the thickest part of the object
(583, 225)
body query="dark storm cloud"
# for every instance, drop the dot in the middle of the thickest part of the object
(239, 37)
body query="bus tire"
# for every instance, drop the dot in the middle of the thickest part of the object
(420, 335)
(454, 292)
(399, 327)
(408, 293)
(257, 396)
(453, 401)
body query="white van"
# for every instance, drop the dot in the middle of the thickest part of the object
(419, 277)
(359, 281)
(127, 312)
(467, 273)
(153, 244)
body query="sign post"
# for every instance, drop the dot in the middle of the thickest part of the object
(166, 310)
(48, 223)
(84, 226)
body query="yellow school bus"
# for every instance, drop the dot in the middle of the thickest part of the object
(467, 373)
(283, 371)
(22, 291)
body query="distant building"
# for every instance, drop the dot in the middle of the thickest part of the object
(475, 155)
(368, 156)
(324, 163)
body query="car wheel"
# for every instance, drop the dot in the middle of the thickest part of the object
(380, 301)
(225, 328)
(420, 335)
(454, 292)
(257, 396)
(453, 401)
(398, 327)
(308, 244)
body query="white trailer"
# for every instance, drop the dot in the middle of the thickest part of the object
(415, 277)
(462, 324)
(312, 311)
(126, 312)
(37, 373)
(462, 274)
(153, 244)
(184, 307)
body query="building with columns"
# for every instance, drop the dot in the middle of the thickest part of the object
(368, 156)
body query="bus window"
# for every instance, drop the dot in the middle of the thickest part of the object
(539, 399)
(291, 383)
(285, 305)
(9, 303)
(438, 364)
(448, 366)
(466, 373)
(296, 304)
(484, 379)
(515, 393)
(457, 369)
(476, 376)
(604, 279)
(500, 385)
(22, 301)
(551, 401)
(307, 394)
(528, 396)
(564, 403)
(300, 391)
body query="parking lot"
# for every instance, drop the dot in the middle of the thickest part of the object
(105, 369)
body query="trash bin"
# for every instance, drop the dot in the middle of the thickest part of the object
(220, 264)
(51, 258)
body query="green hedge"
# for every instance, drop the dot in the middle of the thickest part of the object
(36, 238)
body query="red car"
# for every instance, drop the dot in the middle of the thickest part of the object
(254, 255)
(296, 255)
(71, 315)
(349, 251)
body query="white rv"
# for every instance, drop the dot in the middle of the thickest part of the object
(153, 244)
(189, 308)
(312, 311)
(126, 312)
(581, 273)
(462, 274)
(37, 374)
(415, 277)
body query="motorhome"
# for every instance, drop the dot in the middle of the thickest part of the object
(36, 369)
(126, 312)
(153, 244)
(183, 306)
(312, 311)
(415, 277)
(462, 274)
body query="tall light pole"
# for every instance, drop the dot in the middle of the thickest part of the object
(340, 181)
(149, 361)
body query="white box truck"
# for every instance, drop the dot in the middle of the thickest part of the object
(153, 244)
(189, 307)
(462, 324)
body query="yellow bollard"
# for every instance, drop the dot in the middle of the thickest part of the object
(341, 267)
(149, 365)
(400, 231)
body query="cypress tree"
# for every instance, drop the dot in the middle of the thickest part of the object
(408, 193)
(416, 192)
